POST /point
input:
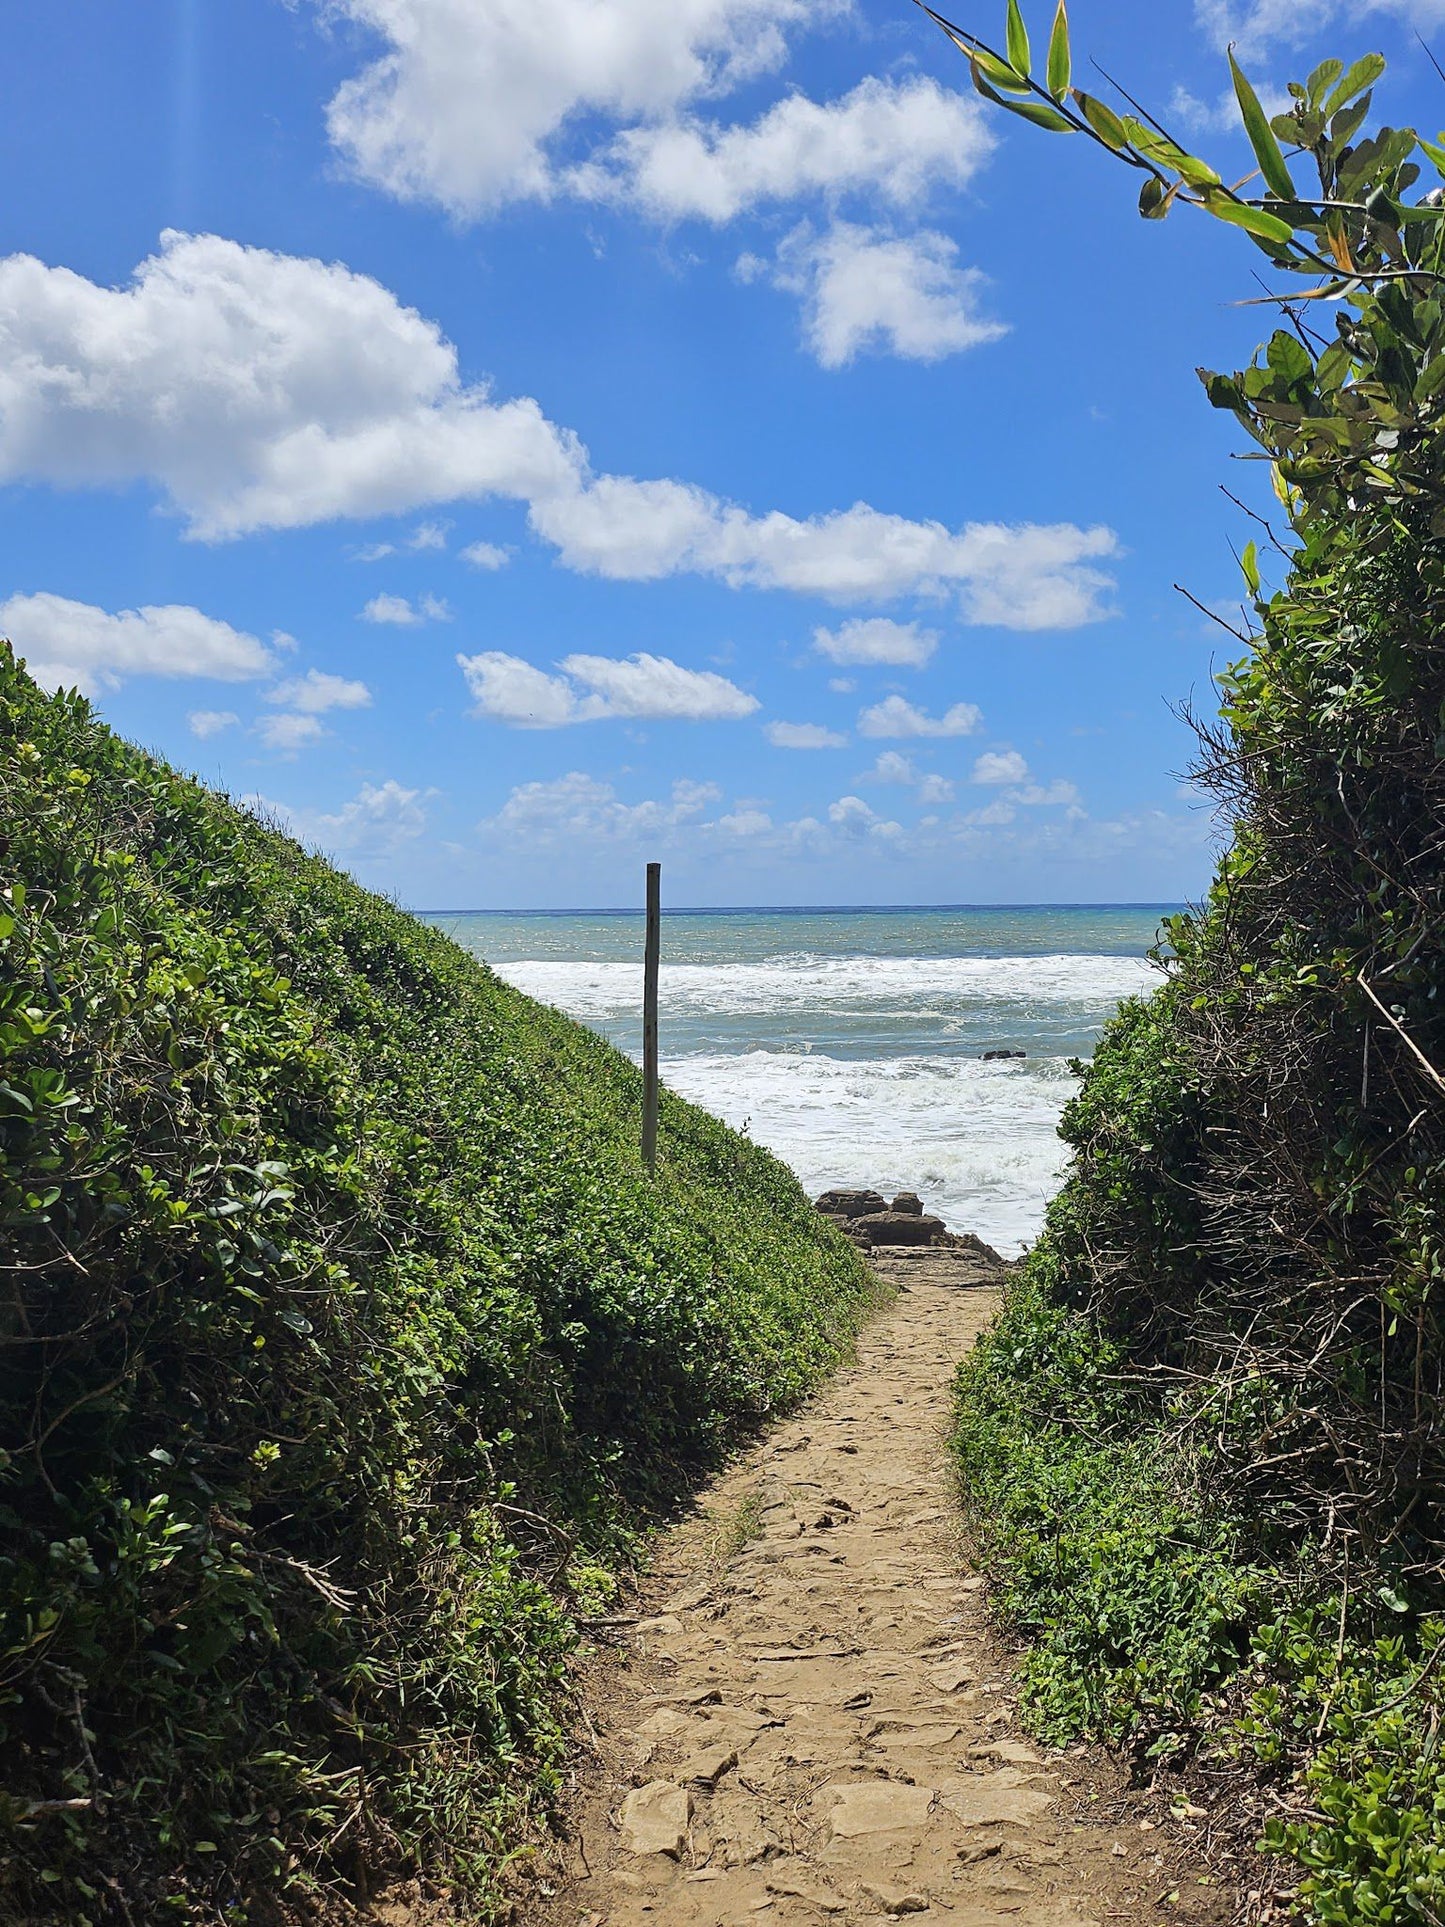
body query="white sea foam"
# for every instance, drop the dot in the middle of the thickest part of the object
(977, 1141)
(612, 989)
(859, 1069)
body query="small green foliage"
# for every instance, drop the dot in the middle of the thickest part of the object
(1206, 1442)
(345, 1347)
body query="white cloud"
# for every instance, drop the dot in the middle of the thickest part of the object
(206, 723)
(745, 823)
(460, 106)
(876, 639)
(405, 615)
(1258, 24)
(842, 685)
(852, 816)
(509, 690)
(894, 139)
(895, 716)
(645, 685)
(1000, 766)
(803, 736)
(578, 808)
(259, 391)
(376, 822)
(317, 691)
(78, 645)
(486, 555)
(425, 536)
(868, 289)
(1028, 576)
(390, 608)
(289, 732)
(893, 767)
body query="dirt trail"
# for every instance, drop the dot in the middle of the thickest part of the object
(814, 1724)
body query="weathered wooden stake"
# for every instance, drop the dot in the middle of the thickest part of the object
(651, 953)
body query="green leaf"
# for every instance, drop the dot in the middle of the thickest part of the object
(1261, 136)
(1254, 220)
(1152, 199)
(1195, 172)
(1249, 563)
(995, 71)
(1041, 114)
(1435, 151)
(1060, 64)
(1017, 40)
(1325, 75)
(1365, 72)
(1288, 358)
(1104, 121)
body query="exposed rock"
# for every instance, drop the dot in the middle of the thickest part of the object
(900, 1228)
(896, 1900)
(909, 1202)
(997, 1056)
(850, 1204)
(654, 1818)
(707, 1768)
(880, 1806)
(1001, 1799)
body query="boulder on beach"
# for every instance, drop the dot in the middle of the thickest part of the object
(851, 1204)
(909, 1202)
(901, 1228)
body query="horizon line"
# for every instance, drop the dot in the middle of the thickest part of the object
(800, 909)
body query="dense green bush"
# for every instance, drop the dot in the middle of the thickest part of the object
(1206, 1442)
(344, 1346)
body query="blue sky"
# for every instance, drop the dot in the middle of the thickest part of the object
(515, 439)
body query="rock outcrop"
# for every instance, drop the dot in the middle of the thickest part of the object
(872, 1223)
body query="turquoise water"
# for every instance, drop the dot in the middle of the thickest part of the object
(850, 1041)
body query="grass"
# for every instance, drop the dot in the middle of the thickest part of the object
(345, 1349)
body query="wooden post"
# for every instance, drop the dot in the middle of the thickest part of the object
(651, 954)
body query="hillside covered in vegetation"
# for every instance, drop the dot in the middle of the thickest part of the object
(1205, 1446)
(344, 1345)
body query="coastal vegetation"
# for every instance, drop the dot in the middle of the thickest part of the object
(1205, 1444)
(345, 1347)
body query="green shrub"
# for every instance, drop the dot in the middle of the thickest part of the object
(344, 1347)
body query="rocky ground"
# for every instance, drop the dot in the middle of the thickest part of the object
(810, 1720)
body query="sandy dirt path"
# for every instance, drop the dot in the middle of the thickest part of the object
(814, 1723)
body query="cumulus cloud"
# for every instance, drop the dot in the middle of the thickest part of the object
(865, 288)
(853, 817)
(803, 736)
(76, 645)
(1025, 576)
(257, 390)
(1257, 25)
(462, 102)
(486, 555)
(895, 716)
(376, 821)
(893, 767)
(289, 732)
(892, 139)
(1000, 766)
(206, 723)
(877, 639)
(317, 691)
(507, 689)
(406, 615)
(577, 808)
(424, 537)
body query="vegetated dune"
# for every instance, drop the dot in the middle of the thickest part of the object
(344, 1344)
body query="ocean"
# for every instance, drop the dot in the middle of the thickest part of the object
(851, 1042)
